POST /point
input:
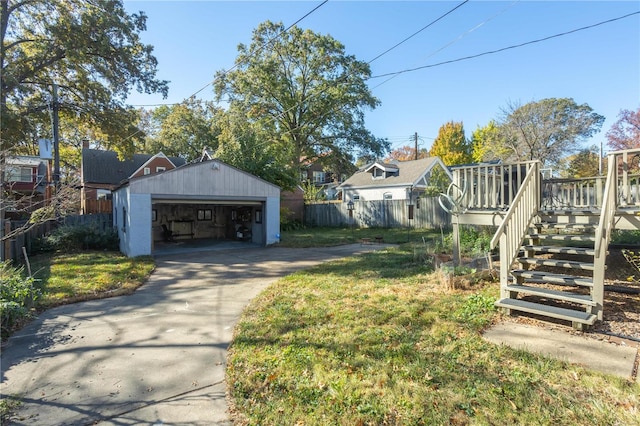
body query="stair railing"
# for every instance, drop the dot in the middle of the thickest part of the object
(603, 232)
(514, 226)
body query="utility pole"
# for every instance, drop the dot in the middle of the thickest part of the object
(56, 139)
(416, 146)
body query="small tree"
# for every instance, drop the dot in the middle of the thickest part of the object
(625, 133)
(451, 145)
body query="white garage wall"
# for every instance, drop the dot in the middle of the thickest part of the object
(132, 217)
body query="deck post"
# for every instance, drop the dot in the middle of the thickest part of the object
(456, 240)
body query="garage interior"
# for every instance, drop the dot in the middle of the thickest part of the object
(173, 221)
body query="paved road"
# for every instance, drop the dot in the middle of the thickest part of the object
(156, 357)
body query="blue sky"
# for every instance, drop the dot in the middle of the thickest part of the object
(598, 66)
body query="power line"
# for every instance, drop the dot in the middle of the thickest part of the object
(419, 31)
(506, 48)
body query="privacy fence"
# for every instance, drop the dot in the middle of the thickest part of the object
(424, 213)
(13, 245)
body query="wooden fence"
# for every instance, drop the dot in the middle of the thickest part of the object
(427, 213)
(13, 245)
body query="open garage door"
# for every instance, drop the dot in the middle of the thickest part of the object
(199, 221)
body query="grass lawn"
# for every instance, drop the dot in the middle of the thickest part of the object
(324, 237)
(73, 277)
(377, 340)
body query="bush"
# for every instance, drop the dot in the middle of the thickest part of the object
(82, 237)
(17, 295)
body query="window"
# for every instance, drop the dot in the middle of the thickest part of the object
(160, 169)
(124, 219)
(19, 174)
(387, 196)
(154, 215)
(103, 194)
(147, 171)
(356, 197)
(318, 177)
(303, 176)
(204, 214)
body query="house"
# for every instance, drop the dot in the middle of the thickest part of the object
(328, 179)
(207, 200)
(102, 171)
(25, 183)
(399, 180)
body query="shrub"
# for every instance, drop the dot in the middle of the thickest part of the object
(79, 237)
(17, 294)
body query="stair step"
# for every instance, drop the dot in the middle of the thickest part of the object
(563, 237)
(561, 250)
(571, 212)
(582, 299)
(556, 263)
(584, 227)
(546, 277)
(549, 311)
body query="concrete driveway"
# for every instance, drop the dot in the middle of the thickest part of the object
(156, 357)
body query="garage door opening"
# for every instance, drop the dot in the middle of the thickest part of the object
(179, 224)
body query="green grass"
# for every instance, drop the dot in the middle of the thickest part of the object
(324, 237)
(376, 339)
(73, 277)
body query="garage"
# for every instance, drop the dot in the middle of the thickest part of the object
(202, 201)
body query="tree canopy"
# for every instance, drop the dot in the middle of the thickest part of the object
(451, 145)
(407, 153)
(625, 132)
(584, 164)
(90, 49)
(305, 94)
(547, 130)
(183, 130)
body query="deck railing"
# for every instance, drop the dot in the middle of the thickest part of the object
(627, 165)
(490, 186)
(581, 193)
(517, 221)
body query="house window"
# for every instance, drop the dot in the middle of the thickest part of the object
(124, 219)
(356, 197)
(387, 196)
(147, 171)
(160, 169)
(103, 194)
(318, 177)
(19, 174)
(378, 174)
(204, 215)
(303, 176)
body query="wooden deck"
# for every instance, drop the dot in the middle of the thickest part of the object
(522, 205)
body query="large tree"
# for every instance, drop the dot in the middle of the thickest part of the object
(451, 145)
(625, 132)
(183, 130)
(586, 163)
(306, 95)
(547, 130)
(91, 50)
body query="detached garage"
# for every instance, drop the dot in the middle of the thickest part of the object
(206, 200)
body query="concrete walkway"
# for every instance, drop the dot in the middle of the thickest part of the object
(155, 357)
(617, 359)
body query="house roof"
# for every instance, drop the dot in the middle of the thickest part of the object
(408, 173)
(24, 160)
(100, 166)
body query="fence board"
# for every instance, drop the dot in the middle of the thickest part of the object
(427, 213)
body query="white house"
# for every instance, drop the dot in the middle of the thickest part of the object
(398, 180)
(205, 200)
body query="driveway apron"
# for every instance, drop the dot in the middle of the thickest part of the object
(156, 357)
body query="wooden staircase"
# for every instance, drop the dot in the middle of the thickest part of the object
(553, 274)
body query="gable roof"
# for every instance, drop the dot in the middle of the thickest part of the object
(159, 155)
(408, 173)
(99, 166)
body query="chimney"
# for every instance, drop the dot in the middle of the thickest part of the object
(85, 143)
